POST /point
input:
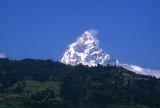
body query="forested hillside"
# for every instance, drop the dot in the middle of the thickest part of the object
(31, 83)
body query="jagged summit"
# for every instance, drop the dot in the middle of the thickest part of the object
(86, 51)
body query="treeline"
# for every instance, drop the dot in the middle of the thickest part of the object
(96, 87)
(39, 70)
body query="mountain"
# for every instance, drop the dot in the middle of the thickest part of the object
(2, 55)
(85, 50)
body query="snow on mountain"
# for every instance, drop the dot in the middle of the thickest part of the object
(86, 51)
(140, 70)
(2, 55)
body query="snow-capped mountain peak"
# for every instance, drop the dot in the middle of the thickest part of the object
(86, 38)
(2, 55)
(86, 51)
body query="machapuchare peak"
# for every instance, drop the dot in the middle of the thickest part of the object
(85, 50)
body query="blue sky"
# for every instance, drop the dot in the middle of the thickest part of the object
(42, 29)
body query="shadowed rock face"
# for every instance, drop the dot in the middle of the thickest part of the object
(86, 51)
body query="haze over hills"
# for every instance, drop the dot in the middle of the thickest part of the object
(85, 50)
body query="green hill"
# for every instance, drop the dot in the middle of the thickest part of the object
(31, 83)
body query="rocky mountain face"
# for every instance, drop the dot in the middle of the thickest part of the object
(86, 51)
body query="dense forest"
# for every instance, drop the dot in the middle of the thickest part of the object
(31, 83)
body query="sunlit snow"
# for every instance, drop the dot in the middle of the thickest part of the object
(85, 50)
(2, 55)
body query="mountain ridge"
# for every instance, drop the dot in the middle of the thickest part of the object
(86, 51)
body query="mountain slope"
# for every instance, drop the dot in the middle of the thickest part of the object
(86, 51)
(32, 83)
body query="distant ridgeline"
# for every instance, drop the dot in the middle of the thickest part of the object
(47, 84)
